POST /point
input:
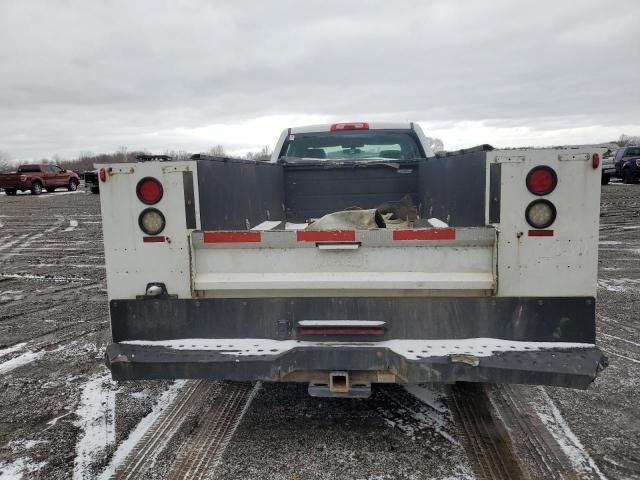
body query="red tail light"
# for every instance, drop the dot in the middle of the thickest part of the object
(542, 180)
(349, 126)
(102, 174)
(149, 190)
(595, 160)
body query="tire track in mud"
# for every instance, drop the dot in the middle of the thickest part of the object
(15, 307)
(485, 437)
(534, 443)
(59, 222)
(37, 347)
(159, 434)
(216, 415)
(414, 417)
(202, 452)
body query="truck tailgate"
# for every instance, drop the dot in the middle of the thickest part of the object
(419, 262)
(10, 180)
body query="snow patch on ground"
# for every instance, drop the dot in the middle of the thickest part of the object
(96, 419)
(619, 284)
(57, 194)
(9, 295)
(19, 361)
(136, 435)
(16, 469)
(14, 348)
(26, 444)
(54, 278)
(80, 348)
(53, 421)
(65, 265)
(72, 226)
(570, 444)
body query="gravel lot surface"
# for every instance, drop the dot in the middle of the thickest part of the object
(62, 416)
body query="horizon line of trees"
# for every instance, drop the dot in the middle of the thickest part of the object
(86, 160)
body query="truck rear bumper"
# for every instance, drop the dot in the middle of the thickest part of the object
(438, 361)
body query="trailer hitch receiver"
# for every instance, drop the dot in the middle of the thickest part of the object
(339, 382)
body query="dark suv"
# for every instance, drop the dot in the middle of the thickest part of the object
(627, 163)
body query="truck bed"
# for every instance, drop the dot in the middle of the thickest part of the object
(10, 180)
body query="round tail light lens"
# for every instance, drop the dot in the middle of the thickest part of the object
(540, 213)
(542, 180)
(151, 221)
(149, 190)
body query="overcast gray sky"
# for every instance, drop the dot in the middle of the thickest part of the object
(96, 75)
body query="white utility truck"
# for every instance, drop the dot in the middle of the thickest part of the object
(355, 256)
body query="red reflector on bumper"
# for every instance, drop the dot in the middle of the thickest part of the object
(326, 236)
(341, 331)
(231, 237)
(541, 233)
(153, 239)
(425, 234)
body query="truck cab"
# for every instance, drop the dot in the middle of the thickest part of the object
(354, 257)
(353, 141)
(627, 163)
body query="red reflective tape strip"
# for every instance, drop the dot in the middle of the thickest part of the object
(154, 239)
(541, 233)
(232, 237)
(326, 236)
(341, 331)
(425, 234)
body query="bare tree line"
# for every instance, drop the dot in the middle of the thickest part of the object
(626, 140)
(86, 160)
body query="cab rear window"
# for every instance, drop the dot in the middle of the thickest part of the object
(28, 168)
(369, 145)
(632, 152)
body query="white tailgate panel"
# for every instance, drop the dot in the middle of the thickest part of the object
(398, 268)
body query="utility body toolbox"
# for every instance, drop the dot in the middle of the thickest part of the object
(213, 272)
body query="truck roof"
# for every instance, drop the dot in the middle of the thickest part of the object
(326, 127)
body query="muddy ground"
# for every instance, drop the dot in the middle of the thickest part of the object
(62, 417)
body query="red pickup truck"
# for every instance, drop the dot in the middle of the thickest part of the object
(38, 178)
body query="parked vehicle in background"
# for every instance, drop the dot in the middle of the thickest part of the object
(627, 163)
(91, 182)
(608, 168)
(37, 178)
